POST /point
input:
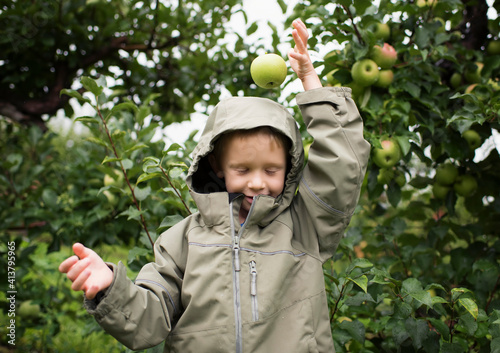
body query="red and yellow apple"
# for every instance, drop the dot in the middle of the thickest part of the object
(384, 56)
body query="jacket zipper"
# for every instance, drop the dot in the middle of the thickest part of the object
(236, 277)
(253, 290)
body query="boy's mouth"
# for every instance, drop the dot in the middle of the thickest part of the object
(249, 199)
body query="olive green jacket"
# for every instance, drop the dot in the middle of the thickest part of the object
(218, 286)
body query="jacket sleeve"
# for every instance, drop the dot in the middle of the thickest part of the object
(330, 185)
(142, 314)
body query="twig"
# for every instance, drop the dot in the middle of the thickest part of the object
(492, 294)
(175, 189)
(143, 221)
(334, 310)
(349, 13)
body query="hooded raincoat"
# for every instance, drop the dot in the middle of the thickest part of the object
(218, 286)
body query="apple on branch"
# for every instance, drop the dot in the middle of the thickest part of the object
(385, 78)
(456, 80)
(388, 155)
(384, 56)
(472, 74)
(382, 31)
(365, 72)
(493, 47)
(440, 191)
(465, 185)
(268, 70)
(385, 175)
(446, 174)
(473, 139)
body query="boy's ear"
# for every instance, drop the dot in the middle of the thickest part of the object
(215, 166)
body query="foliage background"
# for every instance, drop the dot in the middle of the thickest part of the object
(415, 272)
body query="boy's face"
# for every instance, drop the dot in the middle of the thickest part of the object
(252, 165)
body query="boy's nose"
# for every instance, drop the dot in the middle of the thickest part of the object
(256, 182)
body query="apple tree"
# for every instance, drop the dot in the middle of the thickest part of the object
(419, 268)
(86, 90)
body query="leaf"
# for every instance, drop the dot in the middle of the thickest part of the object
(359, 263)
(361, 6)
(457, 292)
(438, 300)
(361, 282)
(168, 222)
(118, 134)
(123, 106)
(283, 6)
(49, 197)
(252, 29)
(96, 140)
(127, 164)
(413, 89)
(132, 213)
(171, 148)
(399, 334)
(74, 94)
(147, 176)
(142, 194)
(109, 159)
(451, 348)
(495, 345)
(413, 287)
(137, 252)
(151, 166)
(441, 327)
(355, 328)
(136, 147)
(151, 158)
(418, 330)
(383, 277)
(470, 305)
(91, 85)
(88, 119)
(394, 194)
(14, 161)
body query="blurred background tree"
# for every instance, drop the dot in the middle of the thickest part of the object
(418, 270)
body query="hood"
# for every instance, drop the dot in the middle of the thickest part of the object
(243, 113)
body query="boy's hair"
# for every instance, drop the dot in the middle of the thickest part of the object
(277, 136)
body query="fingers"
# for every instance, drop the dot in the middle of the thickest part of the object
(301, 30)
(79, 282)
(81, 251)
(91, 292)
(66, 265)
(77, 269)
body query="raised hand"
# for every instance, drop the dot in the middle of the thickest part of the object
(87, 271)
(300, 61)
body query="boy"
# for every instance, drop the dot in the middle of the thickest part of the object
(245, 273)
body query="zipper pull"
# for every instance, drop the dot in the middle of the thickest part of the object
(253, 274)
(236, 249)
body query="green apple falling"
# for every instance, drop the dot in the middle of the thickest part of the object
(268, 70)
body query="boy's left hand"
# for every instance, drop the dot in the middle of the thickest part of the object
(300, 61)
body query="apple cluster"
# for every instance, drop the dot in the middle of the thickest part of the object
(448, 178)
(377, 68)
(374, 69)
(472, 75)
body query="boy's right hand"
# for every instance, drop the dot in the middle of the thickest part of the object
(87, 271)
